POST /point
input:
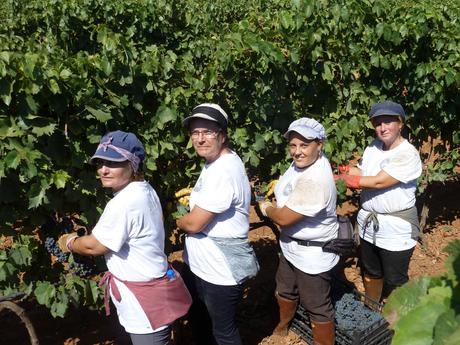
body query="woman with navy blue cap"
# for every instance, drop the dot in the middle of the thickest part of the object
(388, 223)
(130, 234)
(305, 211)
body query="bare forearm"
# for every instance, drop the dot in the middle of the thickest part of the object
(377, 182)
(274, 214)
(188, 224)
(356, 180)
(283, 216)
(196, 220)
(88, 245)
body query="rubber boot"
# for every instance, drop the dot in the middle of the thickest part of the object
(287, 308)
(323, 333)
(373, 288)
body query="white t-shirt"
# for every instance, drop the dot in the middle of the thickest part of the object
(222, 188)
(312, 193)
(403, 163)
(131, 226)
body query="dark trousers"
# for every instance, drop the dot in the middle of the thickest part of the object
(212, 314)
(162, 337)
(392, 266)
(313, 290)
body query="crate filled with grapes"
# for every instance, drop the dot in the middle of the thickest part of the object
(357, 321)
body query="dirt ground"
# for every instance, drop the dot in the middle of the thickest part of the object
(257, 313)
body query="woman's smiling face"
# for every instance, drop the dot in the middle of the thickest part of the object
(303, 151)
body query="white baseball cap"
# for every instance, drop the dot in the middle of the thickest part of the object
(308, 128)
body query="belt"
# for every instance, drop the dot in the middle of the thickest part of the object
(308, 243)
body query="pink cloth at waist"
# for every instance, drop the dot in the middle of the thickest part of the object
(162, 299)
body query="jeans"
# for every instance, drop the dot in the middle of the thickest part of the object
(212, 314)
(162, 337)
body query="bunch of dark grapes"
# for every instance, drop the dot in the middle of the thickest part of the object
(65, 225)
(79, 265)
(52, 247)
(83, 266)
(352, 315)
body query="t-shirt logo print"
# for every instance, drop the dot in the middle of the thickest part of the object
(288, 189)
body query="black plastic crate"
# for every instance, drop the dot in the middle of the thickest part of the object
(377, 333)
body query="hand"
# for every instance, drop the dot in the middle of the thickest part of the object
(65, 240)
(352, 181)
(263, 205)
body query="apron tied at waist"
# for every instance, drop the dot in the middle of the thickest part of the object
(240, 257)
(163, 300)
(409, 215)
(107, 284)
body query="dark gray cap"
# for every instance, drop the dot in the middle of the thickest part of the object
(387, 108)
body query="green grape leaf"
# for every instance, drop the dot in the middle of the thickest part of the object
(45, 292)
(100, 115)
(21, 255)
(164, 115)
(60, 178)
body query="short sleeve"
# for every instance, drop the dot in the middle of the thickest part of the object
(404, 166)
(112, 229)
(216, 194)
(309, 197)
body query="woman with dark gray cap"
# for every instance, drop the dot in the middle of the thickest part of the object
(217, 252)
(130, 235)
(306, 213)
(388, 221)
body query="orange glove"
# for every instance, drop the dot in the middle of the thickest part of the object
(352, 181)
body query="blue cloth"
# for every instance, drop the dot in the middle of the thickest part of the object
(240, 257)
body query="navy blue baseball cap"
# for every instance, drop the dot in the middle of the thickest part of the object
(387, 108)
(119, 146)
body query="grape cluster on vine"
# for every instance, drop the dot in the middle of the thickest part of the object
(352, 315)
(52, 247)
(80, 265)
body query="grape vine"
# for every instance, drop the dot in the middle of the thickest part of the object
(83, 67)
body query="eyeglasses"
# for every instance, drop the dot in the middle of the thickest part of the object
(208, 134)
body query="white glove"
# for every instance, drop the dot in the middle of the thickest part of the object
(263, 205)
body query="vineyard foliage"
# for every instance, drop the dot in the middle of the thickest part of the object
(426, 311)
(71, 70)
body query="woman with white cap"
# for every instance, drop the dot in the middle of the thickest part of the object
(217, 252)
(305, 211)
(388, 220)
(130, 234)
